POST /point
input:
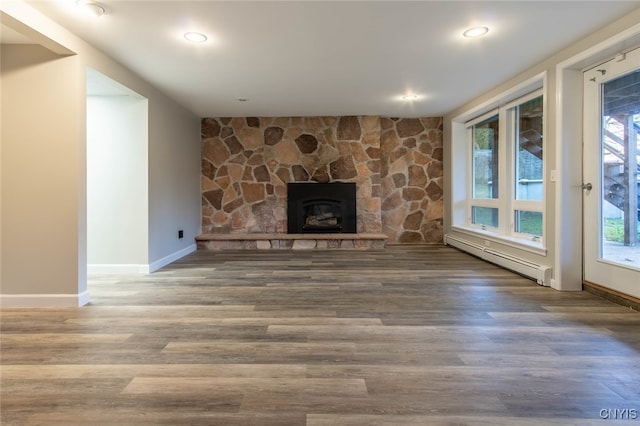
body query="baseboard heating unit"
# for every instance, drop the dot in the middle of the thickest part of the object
(540, 273)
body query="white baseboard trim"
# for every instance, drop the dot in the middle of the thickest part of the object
(84, 298)
(172, 258)
(116, 269)
(44, 300)
(129, 269)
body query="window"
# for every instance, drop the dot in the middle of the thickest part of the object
(507, 174)
(528, 163)
(486, 171)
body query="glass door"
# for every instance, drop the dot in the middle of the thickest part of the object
(611, 174)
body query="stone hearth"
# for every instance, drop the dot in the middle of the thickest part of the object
(362, 241)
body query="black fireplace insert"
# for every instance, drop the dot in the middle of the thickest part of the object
(321, 207)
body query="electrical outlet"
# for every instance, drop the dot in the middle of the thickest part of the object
(180, 233)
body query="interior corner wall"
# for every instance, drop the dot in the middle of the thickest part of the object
(41, 168)
(117, 182)
(174, 182)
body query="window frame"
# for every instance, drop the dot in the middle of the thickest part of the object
(483, 202)
(507, 202)
(514, 203)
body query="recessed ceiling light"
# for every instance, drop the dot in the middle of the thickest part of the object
(93, 8)
(475, 32)
(409, 97)
(195, 37)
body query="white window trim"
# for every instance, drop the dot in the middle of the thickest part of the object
(481, 118)
(513, 204)
(461, 182)
(506, 203)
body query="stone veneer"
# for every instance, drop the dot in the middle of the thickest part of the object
(395, 163)
(411, 172)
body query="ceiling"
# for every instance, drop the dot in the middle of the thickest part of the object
(291, 58)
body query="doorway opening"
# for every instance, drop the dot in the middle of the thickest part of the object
(117, 178)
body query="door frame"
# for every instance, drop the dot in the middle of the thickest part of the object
(599, 270)
(567, 175)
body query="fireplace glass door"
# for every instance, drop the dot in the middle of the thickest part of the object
(321, 207)
(322, 216)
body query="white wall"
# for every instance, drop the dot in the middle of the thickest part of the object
(174, 184)
(41, 170)
(44, 221)
(117, 183)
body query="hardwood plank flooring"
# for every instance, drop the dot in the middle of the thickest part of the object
(409, 335)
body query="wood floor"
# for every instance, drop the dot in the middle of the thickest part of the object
(412, 335)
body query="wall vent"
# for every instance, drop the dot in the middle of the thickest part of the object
(540, 273)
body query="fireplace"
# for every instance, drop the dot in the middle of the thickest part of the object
(321, 208)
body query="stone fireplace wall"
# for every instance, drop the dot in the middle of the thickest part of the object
(411, 173)
(247, 163)
(395, 163)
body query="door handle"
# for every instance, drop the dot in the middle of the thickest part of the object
(587, 186)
